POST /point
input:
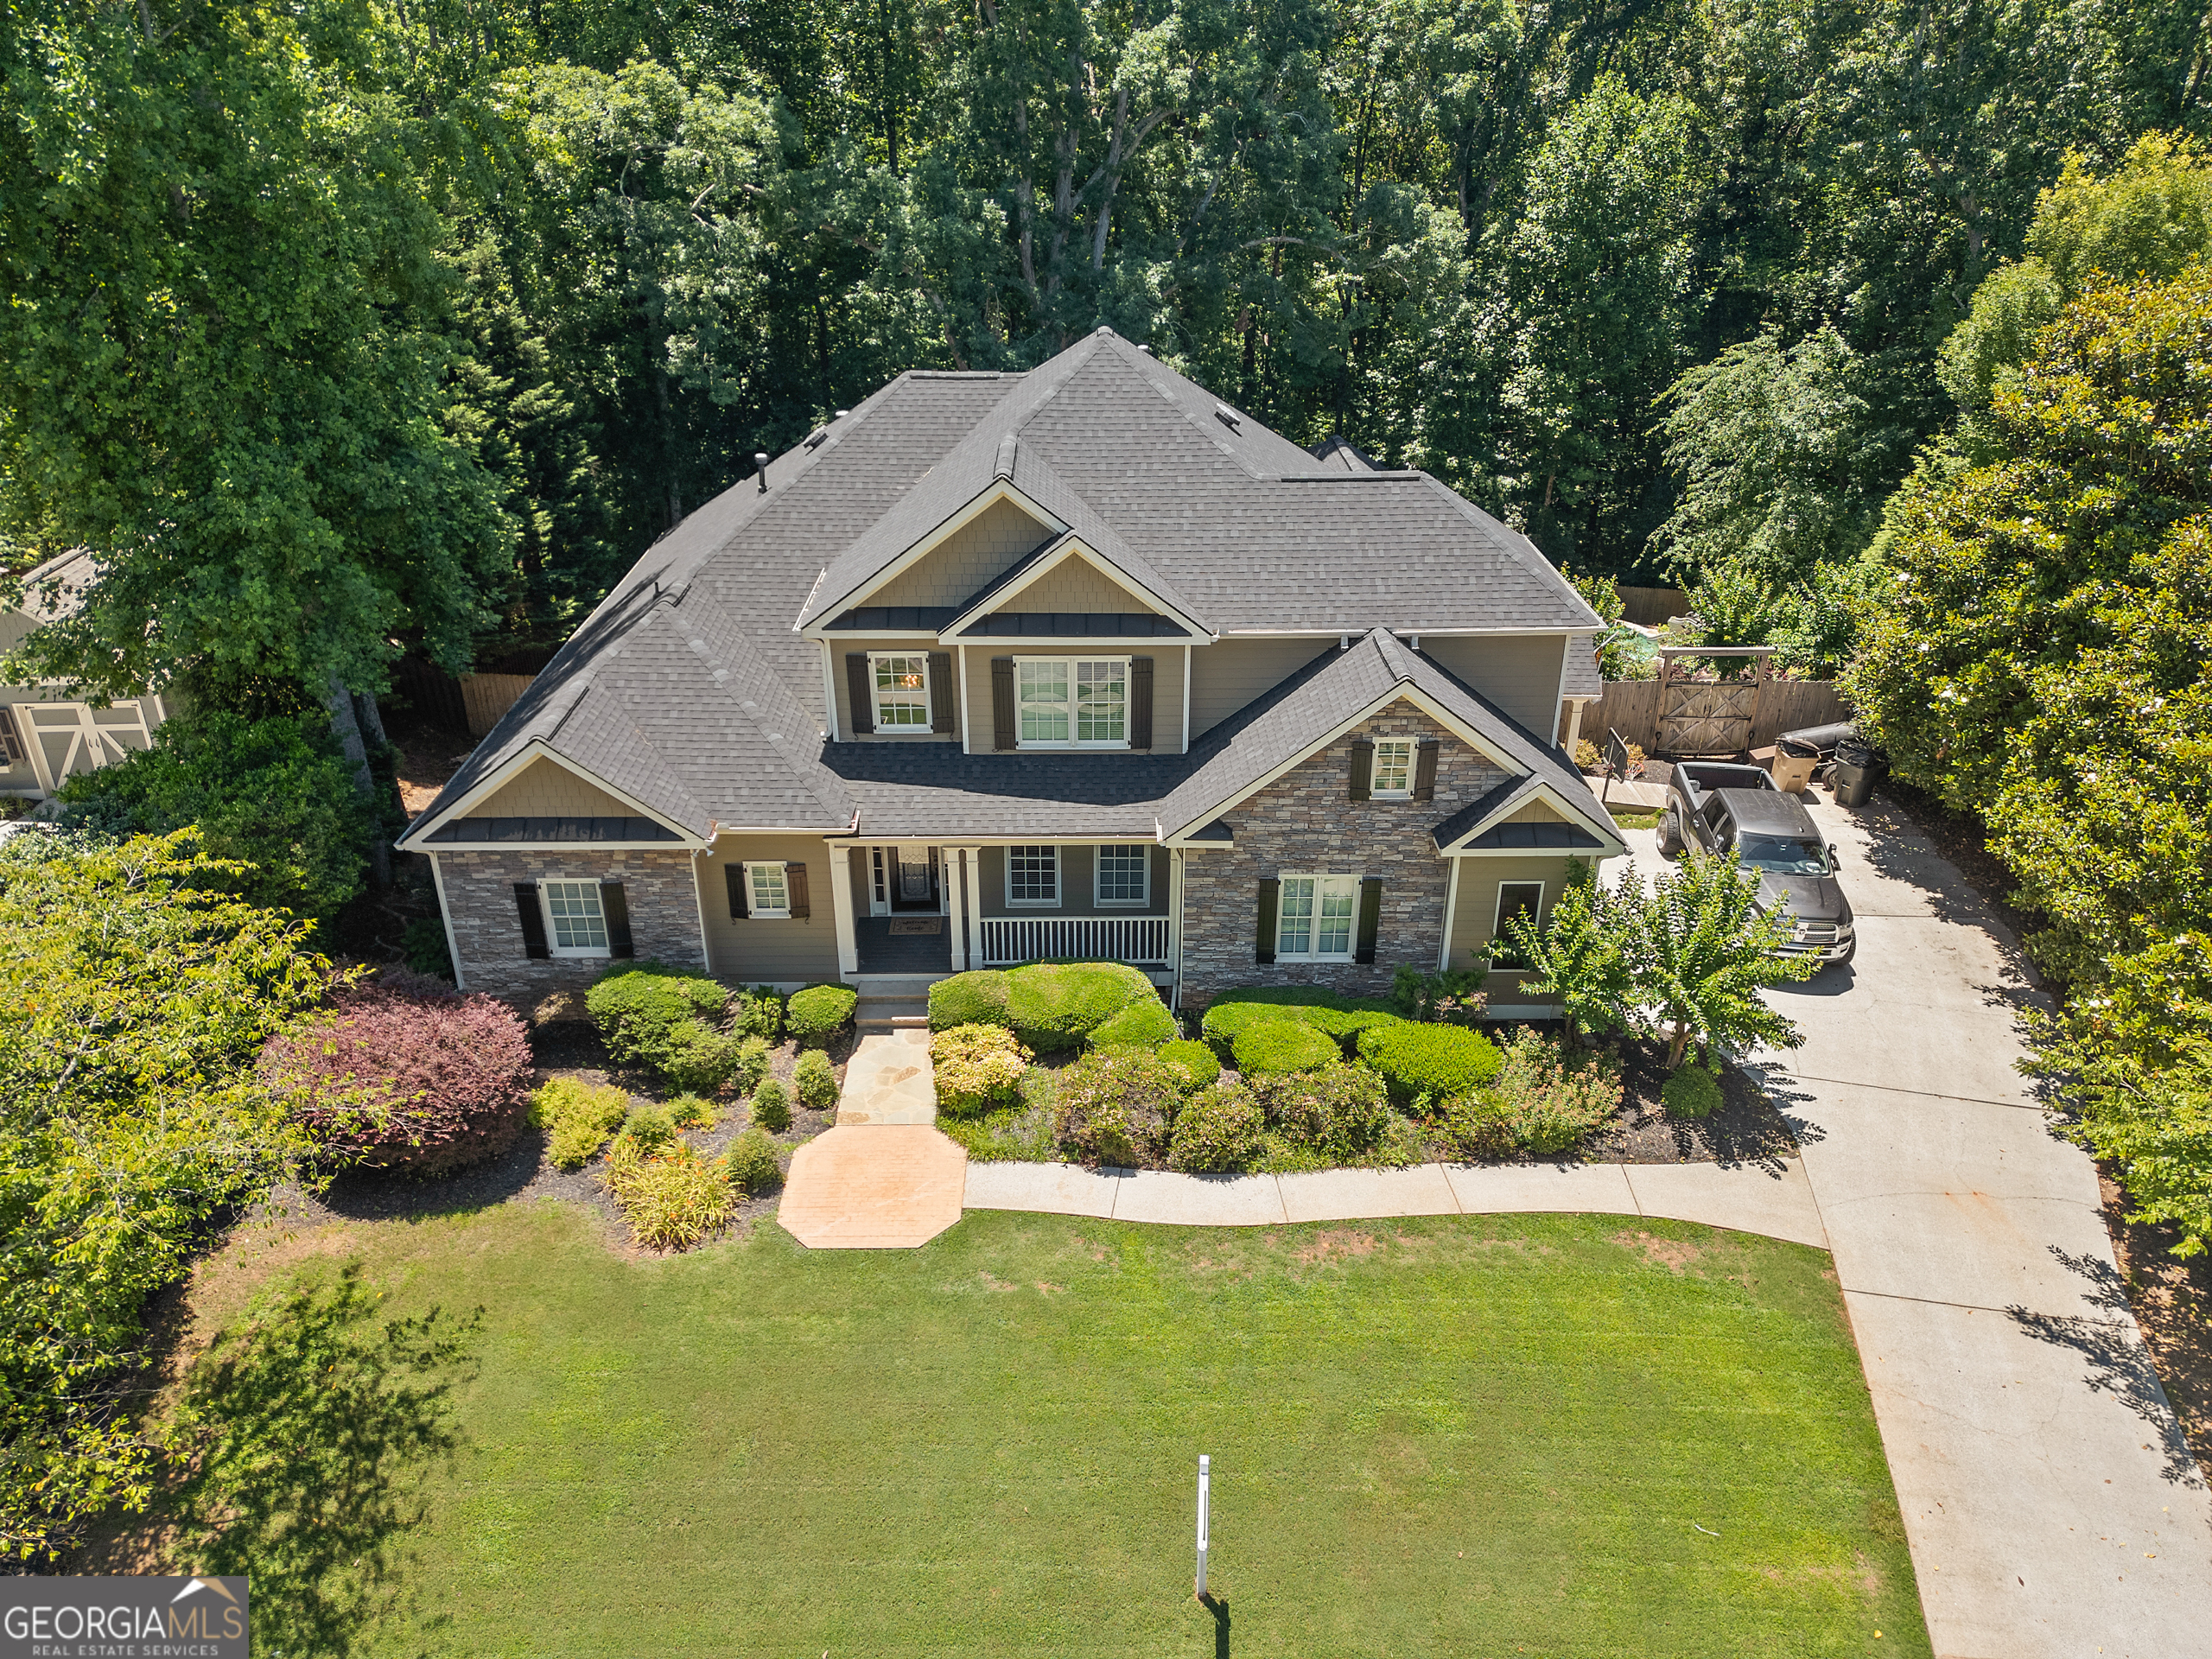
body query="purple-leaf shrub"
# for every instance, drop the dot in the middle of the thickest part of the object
(399, 1075)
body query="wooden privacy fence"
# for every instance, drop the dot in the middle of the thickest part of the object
(1653, 608)
(486, 697)
(1631, 708)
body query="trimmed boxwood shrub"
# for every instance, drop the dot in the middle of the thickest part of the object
(402, 1080)
(978, 1068)
(1340, 1017)
(1114, 1107)
(771, 1106)
(816, 1079)
(1194, 1061)
(977, 998)
(580, 1116)
(1342, 1111)
(817, 1014)
(1438, 1061)
(1275, 1045)
(700, 1060)
(658, 1018)
(1692, 1091)
(1053, 1006)
(753, 1162)
(1219, 1130)
(1142, 1025)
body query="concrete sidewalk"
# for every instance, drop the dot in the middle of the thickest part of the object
(2050, 1503)
(1775, 1200)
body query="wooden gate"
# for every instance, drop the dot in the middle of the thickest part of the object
(1708, 717)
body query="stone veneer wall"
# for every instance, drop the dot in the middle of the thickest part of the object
(1305, 823)
(480, 891)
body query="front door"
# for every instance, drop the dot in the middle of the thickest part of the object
(914, 879)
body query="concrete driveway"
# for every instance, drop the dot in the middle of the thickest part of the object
(2050, 1503)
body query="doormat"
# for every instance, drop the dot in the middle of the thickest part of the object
(909, 926)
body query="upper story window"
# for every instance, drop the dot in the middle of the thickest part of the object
(575, 918)
(902, 692)
(1123, 876)
(1079, 702)
(1394, 768)
(1314, 921)
(1033, 876)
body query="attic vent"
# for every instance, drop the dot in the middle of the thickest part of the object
(814, 438)
(1228, 417)
(1007, 447)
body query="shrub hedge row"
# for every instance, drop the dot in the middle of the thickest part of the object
(1055, 1008)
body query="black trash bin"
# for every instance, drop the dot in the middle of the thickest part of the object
(1857, 766)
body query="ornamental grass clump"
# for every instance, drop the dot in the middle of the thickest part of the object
(978, 1069)
(1115, 1106)
(408, 1080)
(581, 1116)
(672, 1197)
(816, 1079)
(1219, 1130)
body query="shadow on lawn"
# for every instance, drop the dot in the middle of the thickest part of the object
(304, 1435)
(1218, 1606)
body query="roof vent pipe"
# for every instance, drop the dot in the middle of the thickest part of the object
(1413, 639)
(1344, 642)
(761, 467)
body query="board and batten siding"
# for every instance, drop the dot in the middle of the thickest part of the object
(842, 646)
(968, 562)
(1520, 673)
(1076, 886)
(542, 790)
(754, 951)
(1167, 685)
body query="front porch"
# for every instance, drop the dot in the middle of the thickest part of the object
(910, 945)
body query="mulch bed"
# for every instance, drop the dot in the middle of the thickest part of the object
(562, 1049)
(1744, 1128)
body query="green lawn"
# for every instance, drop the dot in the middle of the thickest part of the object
(1454, 1437)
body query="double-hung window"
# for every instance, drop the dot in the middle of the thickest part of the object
(575, 921)
(769, 889)
(1394, 768)
(1032, 876)
(1314, 923)
(1073, 702)
(1123, 876)
(902, 692)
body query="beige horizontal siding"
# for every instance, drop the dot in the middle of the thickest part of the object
(1076, 887)
(840, 687)
(1519, 674)
(1474, 914)
(1229, 674)
(779, 951)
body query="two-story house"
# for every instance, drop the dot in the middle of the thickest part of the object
(1079, 663)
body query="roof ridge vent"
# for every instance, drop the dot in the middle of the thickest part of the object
(1007, 445)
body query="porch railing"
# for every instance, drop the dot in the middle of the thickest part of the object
(1141, 939)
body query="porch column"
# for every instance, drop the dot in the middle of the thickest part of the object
(1576, 705)
(974, 855)
(1175, 919)
(841, 905)
(1452, 903)
(956, 883)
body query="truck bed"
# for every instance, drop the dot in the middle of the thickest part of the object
(1696, 779)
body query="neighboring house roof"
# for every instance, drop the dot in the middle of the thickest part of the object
(55, 588)
(690, 690)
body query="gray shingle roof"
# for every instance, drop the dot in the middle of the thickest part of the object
(691, 690)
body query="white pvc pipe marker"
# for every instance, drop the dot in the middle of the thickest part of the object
(1206, 1505)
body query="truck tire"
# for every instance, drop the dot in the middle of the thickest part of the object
(1670, 833)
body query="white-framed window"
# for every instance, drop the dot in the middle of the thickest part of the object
(575, 921)
(1514, 898)
(902, 690)
(1033, 876)
(768, 891)
(1394, 768)
(1313, 922)
(1072, 702)
(1121, 876)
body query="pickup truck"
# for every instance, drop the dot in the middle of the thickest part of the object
(1737, 811)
